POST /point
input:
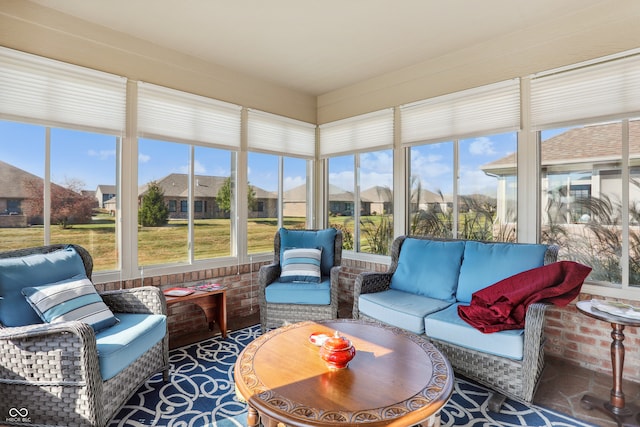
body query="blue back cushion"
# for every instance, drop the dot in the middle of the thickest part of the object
(324, 239)
(487, 263)
(32, 270)
(429, 268)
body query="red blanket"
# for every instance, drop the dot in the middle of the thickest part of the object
(504, 304)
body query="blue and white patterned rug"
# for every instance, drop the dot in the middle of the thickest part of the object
(201, 393)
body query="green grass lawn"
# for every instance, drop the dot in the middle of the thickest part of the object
(156, 245)
(168, 244)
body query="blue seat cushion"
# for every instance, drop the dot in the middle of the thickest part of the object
(487, 263)
(324, 239)
(402, 309)
(32, 270)
(300, 292)
(429, 268)
(124, 342)
(446, 325)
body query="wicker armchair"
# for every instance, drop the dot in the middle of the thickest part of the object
(274, 315)
(517, 379)
(52, 370)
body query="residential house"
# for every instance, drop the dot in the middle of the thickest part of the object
(175, 187)
(18, 188)
(104, 193)
(578, 163)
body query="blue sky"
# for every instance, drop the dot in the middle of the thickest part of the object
(90, 158)
(433, 163)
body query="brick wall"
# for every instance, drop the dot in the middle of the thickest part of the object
(241, 284)
(585, 341)
(571, 336)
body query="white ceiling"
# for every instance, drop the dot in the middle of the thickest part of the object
(317, 46)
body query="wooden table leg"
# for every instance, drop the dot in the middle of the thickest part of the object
(253, 419)
(214, 308)
(615, 407)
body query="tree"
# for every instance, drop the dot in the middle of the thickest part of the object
(153, 212)
(223, 198)
(68, 205)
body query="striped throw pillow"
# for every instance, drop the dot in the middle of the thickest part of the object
(301, 265)
(73, 299)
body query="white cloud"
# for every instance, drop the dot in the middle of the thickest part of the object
(379, 160)
(342, 180)
(482, 146)
(429, 166)
(143, 158)
(293, 182)
(102, 154)
(373, 179)
(198, 168)
(477, 182)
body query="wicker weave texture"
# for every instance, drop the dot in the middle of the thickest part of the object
(276, 315)
(52, 370)
(517, 379)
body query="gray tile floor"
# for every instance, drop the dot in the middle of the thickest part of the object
(563, 385)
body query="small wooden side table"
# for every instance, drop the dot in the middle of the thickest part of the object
(615, 406)
(213, 304)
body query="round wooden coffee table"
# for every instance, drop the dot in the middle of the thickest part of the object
(395, 379)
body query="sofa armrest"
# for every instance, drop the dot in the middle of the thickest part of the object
(62, 354)
(268, 274)
(142, 300)
(367, 283)
(534, 329)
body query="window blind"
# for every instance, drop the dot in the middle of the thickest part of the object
(48, 92)
(281, 135)
(366, 132)
(586, 93)
(165, 113)
(493, 108)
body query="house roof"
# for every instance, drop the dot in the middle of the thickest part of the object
(296, 194)
(581, 145)
(106, 189)
(377, 194)
(18, 178)
(177, 185)
(427, 196)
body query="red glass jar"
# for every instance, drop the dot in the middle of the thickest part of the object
(337, 351)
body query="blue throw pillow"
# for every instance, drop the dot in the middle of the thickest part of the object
(301, 265)
(72, 299)
(429, 268)
(487, 263)
(324, 239)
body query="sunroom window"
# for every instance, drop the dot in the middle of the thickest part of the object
(359, 157)
(586, 118)
(481, 204)
(280, 166)
(463, 163)
(186, 152)
(59, 144)
(589, 207)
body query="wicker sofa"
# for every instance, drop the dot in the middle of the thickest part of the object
(425, 283)
(51, 374)
(282, 303)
